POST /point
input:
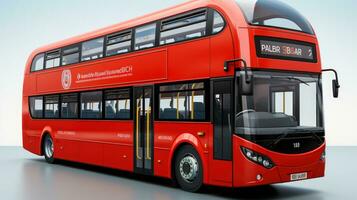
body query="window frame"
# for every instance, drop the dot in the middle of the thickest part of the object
(206, 90)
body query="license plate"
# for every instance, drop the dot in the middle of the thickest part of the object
(298, 176)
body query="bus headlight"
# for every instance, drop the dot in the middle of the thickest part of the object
(258, 158)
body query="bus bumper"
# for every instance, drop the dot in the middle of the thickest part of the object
(247, 173)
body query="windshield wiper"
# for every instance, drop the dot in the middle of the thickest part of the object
(290, 78)
(278, 139)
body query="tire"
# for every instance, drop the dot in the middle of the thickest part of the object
(188, 169)
(48, 149)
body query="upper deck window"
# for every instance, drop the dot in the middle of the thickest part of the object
(145, 36)
(183, 28)
(118, 43)
(93, 49)
(53, 59)
(37, 63)
(218, 23)
(275, 14)
(70, 55)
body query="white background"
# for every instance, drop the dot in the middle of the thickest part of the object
(26, 25)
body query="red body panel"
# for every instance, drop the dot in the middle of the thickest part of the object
(110, 143)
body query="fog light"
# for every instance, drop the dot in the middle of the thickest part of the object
(259, 177)
(258, 158)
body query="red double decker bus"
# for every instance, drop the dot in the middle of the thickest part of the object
(224, 93)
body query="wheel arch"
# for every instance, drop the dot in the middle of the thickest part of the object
(46, 131)
(188, 139)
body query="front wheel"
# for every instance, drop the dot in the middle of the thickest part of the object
(188, 169)
(48, 149)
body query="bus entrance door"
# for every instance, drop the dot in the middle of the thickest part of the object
(143, 130)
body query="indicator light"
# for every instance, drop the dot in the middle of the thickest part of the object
(323, 156)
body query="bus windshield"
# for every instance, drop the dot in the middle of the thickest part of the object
(282, 105)
(274, 13)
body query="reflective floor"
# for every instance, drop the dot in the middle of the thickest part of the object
(25, 176)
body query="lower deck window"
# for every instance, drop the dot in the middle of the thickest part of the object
(183, 102)
(51, 106)
(36, 107)
(117, 104)
(91, 105)
(69, 107)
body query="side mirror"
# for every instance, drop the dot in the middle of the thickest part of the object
(246, 76)
(336, 88)
(335, 84)
(246, 82)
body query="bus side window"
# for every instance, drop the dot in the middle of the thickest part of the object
(145, 36)
(118, 43)
(51, 107)
(36, 107)
(70, 55)
(183, 102)
(53, 59)
(91, 105)
(183, 28)
(38, 63)
(69, 107)
(218, 23)
(117, 104)
(93, 49)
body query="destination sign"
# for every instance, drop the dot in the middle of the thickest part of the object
(285, 49)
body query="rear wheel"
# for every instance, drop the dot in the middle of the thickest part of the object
(48, 149)
(188, 169)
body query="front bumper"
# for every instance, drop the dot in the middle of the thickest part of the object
(246, 172)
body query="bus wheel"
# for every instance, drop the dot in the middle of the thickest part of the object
(188, 169)
(48, 149)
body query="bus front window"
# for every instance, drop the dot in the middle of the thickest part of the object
(284, 114)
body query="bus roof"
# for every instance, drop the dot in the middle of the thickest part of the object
(151, 17)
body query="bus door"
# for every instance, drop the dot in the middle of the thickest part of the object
(143, 130)
(222, 109)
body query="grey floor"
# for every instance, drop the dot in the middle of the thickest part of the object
(24, 176)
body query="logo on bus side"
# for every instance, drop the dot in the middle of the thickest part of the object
(66, 79)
